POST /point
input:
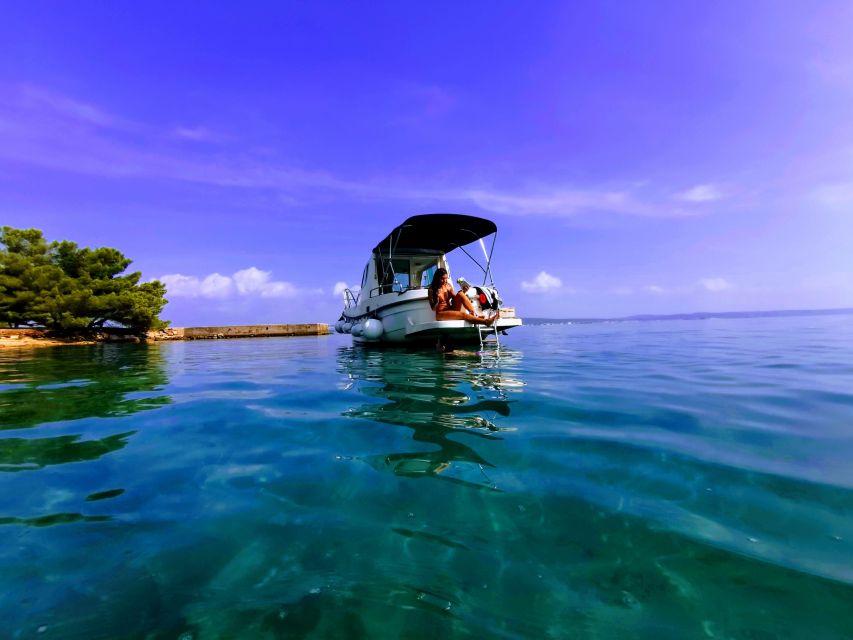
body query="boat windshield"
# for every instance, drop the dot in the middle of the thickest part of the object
(364, 277)
(402, 273)
(427, 275)
(423, 269)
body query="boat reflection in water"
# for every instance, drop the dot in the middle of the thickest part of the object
(439, 397)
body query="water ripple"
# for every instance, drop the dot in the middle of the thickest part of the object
(669, 479)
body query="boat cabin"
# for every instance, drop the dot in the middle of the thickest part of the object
(383, 274)
(410, 255)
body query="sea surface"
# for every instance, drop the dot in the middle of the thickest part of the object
(677, 479)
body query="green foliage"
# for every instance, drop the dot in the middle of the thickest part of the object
(63, 287)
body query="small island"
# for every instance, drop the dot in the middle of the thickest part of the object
(57, 293)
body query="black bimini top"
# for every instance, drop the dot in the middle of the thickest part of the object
(435, 233)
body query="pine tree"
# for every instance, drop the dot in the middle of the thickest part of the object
(63, 287)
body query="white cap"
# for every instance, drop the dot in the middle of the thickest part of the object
(463, 282)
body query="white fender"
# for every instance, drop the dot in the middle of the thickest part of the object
(372, 329)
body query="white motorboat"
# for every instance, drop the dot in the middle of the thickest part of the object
(392, 305)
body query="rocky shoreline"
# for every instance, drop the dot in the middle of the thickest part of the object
(12, 338)
(41, 338)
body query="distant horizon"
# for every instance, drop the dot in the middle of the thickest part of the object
(695, 315)
(701, 315)
(634, 161)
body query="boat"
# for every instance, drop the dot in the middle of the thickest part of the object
(391, 306)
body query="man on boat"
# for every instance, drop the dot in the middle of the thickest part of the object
(467, 289)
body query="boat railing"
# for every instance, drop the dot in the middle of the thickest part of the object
(394, 287)
(350, 298)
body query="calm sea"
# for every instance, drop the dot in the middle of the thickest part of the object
(680, 479)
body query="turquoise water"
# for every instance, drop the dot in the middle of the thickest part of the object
(685, 479)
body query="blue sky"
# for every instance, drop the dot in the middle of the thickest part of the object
(637, 157)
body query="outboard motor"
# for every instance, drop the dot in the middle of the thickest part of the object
(497, 297)
(489, 297)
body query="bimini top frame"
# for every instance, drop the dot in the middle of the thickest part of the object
(439, 233)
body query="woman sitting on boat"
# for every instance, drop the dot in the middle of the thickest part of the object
(450, 306)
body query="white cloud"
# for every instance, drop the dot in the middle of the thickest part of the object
(246, 282)
(701, 193)
(196, 134)
(36, 100)
(543, 281)
(560, 202)
(57, 132)
(47, 129)
(703, 284)
(715, 284)
(342, 286)
(251, 280)
(254, 281)
(638, 198)
(656, 289)
(181, 285)
(215, 286)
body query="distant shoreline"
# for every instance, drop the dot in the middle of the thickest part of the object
(27, 338)
(699, 315)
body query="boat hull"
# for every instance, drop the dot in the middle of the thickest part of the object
(408, 319)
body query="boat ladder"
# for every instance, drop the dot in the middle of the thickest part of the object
(486, 333)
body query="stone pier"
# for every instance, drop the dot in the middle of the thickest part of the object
(240, 331)
(43, 338)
